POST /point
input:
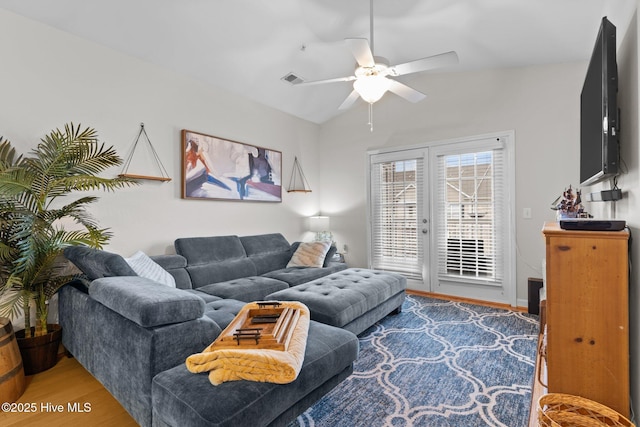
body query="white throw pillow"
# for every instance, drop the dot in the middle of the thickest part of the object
(146, 267)
(309, 254)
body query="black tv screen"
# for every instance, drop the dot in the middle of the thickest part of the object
(599, 150)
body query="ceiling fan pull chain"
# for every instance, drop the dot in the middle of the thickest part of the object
(370, 117)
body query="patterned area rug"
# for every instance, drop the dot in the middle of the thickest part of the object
(437, 364)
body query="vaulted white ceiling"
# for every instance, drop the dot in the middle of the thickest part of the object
(247, 46)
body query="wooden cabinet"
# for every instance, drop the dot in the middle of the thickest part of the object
(588, 315)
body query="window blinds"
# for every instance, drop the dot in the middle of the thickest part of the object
(396, 196)
(470, 215)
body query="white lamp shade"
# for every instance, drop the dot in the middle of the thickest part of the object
(371, 88)
(319, 223)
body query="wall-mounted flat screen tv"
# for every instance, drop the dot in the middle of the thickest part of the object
(599, 148)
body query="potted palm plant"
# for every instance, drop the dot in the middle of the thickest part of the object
(34, 211)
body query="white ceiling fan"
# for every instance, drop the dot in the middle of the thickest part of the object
(371, 78)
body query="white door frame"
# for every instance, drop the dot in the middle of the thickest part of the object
(507, 294)
(399, 155)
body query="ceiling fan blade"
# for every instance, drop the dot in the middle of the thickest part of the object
(424, 64)
(318, 82)
(361, 51)
(405, 91)
(347, 103)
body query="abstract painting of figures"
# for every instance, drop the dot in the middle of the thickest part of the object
(216, 168)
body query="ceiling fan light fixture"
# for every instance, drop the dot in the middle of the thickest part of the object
(371, 88)
(371, 79)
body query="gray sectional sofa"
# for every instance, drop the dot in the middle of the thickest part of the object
(134, 334)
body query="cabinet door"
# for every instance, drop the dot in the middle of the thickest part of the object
(587, 317)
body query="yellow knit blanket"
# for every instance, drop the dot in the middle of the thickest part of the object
(263, 365)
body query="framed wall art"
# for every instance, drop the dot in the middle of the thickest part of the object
(220, 169)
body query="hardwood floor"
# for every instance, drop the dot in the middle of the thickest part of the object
(65, 395)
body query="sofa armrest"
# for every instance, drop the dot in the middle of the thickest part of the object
(120, 353)
(145, 301)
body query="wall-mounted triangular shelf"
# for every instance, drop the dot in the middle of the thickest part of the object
(163, 172)
(298, 183)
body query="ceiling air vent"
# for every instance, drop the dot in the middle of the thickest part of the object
(292, 78)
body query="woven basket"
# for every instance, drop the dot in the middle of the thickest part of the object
(565, 410)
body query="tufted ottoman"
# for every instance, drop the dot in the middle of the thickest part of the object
(352, 299)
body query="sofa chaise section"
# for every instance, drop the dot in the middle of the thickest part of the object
(351, 299)
(181, 398)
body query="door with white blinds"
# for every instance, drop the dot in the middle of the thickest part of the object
(471, 223)
(443, 214)
(398, 212)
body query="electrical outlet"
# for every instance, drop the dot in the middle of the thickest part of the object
(344, 249)
(526, 213)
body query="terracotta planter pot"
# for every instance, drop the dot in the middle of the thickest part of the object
(40, 353)
(12, 383)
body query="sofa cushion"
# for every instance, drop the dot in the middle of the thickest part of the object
(176, 266)
(215, 272)
(204, 296)
(182, 398)
(170, 262)
(214, 259)
(203, 250)
(146, 267)
(311, 254)
(247, 289)
(298, 275)
(146, 302)
(223, 311)
(341, 297)
(96, 263)
(264, 244)
(267, 251)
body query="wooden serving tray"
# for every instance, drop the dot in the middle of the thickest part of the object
(269, 326)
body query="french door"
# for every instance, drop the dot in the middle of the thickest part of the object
(442, 215)
(399, 213)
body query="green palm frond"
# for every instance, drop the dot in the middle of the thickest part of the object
(64, 162)
(11, 305)
(5, 253)
(8, 156)
(15, 181)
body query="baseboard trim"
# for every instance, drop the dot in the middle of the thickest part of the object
(520, 308)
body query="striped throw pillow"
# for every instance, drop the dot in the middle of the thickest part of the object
(309, 255)
(146, 267)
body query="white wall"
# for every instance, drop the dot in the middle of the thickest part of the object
(49, 78)
(541, 104)
(629, 207)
